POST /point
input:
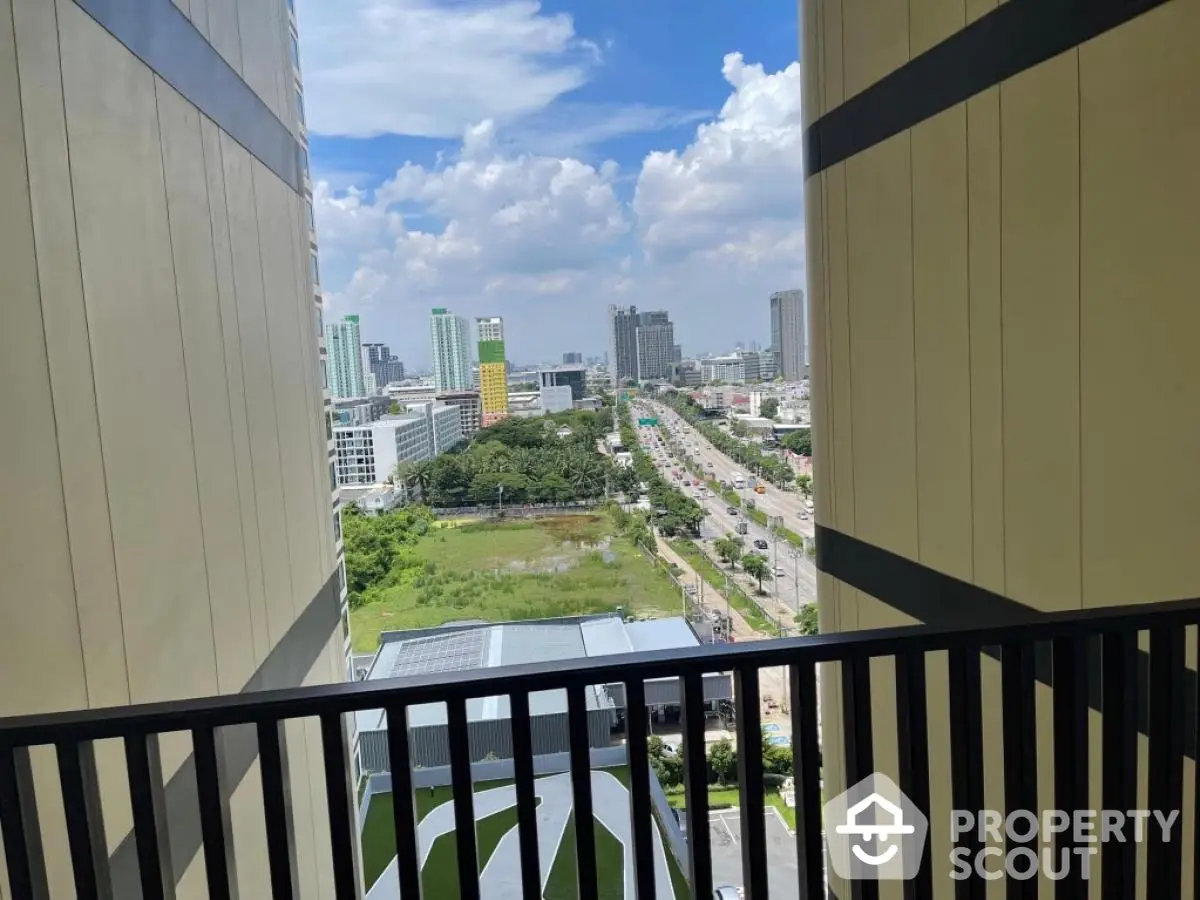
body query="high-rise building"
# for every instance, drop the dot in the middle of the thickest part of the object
(451, 347)
(572, 359)
(789, 338)
(165, 435)
(574, 377)
(655, 345)
(345, 362)
(622, 337)
(378, 358)
(493, 369)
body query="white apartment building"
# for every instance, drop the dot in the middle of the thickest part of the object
(369, 453)
(450, 343)
(729, 369)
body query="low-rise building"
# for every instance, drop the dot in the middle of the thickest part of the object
(360, 410)
(470, 410)
(574, 377)
(368, 454)
(727, 369)
(470, 646)
(555, 398)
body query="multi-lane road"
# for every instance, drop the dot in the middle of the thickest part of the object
(797, 581)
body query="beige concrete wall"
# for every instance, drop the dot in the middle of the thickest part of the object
(1004, 324)
(164, 455)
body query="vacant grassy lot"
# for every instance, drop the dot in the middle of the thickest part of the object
(497, 571)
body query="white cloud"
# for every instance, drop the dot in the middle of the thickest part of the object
(546, 241)
(744, 171)
(416, 68)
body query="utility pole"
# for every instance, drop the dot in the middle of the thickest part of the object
(500, 511)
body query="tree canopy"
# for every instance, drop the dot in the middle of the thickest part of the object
(528, 459)
(798, 441)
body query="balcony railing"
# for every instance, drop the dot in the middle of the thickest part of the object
(1090, 658)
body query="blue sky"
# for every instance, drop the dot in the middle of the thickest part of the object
(539, 161)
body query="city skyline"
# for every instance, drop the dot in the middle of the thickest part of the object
(579, 163)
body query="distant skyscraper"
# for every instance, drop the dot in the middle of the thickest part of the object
(451, 351)
(378, 359)
(343, 350)
(622, 343)
(788, 334)
(655, 341)
(493, 369)
(572, 359)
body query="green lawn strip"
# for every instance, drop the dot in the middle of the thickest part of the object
(520, 570)
(775, 799)
(439, 875)
(379, 830)
(757, 515)
(610, 866)
(716, 578)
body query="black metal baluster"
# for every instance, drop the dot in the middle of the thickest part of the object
(859, 741)
(21, 826)
(1119, 755)
(640, 813)
(459, 736)
(1070, 657)
(144, 765)
(277, 809)
(522, 740)
(966, 754)
(343, 824)
(1020, 751)
(912, 733)
(806, 773)
(216, 826)
(581, 789)
(85, 820)
(750, 782)
(695, 786)
(1167, 717)
(404, 809)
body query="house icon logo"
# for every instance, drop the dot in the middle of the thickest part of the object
(874, 832)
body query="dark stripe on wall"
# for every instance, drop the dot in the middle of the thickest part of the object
(287, 665)
(161, 36)
(1016, 36)
(938, 599)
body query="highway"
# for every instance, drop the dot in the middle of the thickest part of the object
(798, 583)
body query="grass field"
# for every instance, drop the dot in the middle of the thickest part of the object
(724, 798)
(497, 571)
(439, 875)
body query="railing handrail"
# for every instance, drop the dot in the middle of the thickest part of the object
(239, 709)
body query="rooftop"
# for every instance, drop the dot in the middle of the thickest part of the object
(469, 646)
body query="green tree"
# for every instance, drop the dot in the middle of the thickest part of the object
(739, 428)
(722, 762)
(729, 548)
(804, 484)
(394, 408)
(806, 619)
(757, 568)
(769, 408)
(799, 441)
(776, 760)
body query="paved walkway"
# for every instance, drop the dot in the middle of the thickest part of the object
(501, 876)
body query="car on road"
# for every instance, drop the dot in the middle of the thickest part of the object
(779, 573)
(760, 489)
(732, 510)
(760, 544)
(709, 464)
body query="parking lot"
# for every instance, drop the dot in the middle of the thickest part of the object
(724, 827)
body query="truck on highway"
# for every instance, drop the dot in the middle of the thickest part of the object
(752, 482)
(738, 480)
(742, 528)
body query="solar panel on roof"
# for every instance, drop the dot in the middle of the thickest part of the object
(456, 652)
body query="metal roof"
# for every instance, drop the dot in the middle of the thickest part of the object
(462, 647)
